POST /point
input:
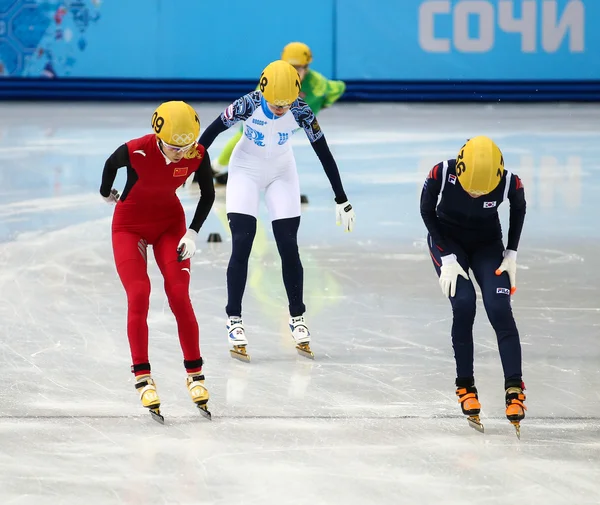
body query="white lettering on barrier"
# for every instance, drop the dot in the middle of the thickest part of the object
(554, 30)
(554, 27)
(427, 38)
(526, 25)
(484, 41)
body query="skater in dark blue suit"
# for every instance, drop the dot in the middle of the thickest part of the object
(465, 233)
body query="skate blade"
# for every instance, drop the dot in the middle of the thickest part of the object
(157, 416)
(204, 412)
(304, 350)
(517, 425)
(475, 423)
(239, 352)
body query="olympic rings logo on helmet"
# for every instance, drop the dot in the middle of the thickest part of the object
(280, 103)
(183, 138)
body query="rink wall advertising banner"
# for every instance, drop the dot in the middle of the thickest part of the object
(433, 41)
(469, 39)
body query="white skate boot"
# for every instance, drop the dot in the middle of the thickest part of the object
(301, 336)
(237, 338)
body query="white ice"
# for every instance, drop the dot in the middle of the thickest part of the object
(374, 419)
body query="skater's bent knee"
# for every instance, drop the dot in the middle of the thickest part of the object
(464, 302)
(138, 294)
(286, 229)
(241, 223)
(499, 311)
(178, 293)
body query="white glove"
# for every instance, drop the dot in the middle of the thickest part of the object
(509, 265)
(187, 245)
(113, 196)
(451, 269)
(344, 215)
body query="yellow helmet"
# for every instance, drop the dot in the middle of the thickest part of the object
(479, 166)
(176, 123)
(297, 54)
(279, 83)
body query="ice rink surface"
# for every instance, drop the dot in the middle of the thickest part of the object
(373, 419)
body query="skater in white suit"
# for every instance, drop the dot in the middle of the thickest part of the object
(264, 160)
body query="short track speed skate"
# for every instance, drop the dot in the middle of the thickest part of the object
(237, 339)
(515, 408)
(469, 403)
(199, 393)
(149, 396)
(301, 336)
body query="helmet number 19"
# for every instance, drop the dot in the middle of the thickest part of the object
(157, 122)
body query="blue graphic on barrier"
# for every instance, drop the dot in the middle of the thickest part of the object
(6, 5)
(37, 37)
(438, 41)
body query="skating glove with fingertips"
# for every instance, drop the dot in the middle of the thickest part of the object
(187, 245)
(344, 215)
(451, 269)
(509, 265)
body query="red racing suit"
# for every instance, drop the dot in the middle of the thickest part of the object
(150, 213)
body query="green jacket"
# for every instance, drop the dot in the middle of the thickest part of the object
(319, 92)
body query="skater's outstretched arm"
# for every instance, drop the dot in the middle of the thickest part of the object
(207, 193)
(335, 89)
(319, 92)
(118, 159)
(307, 120)
(239, 110)
(330, 167)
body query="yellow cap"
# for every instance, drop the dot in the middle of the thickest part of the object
(279, 83)
(479, 166)
(176, 123)
(297, 54)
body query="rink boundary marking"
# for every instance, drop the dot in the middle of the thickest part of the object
(294, 418)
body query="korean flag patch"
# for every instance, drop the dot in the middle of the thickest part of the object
(489, 205)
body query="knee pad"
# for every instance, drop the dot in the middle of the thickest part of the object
(243, 230)
(286, 229)
(286, 235)
(464, 303)
(177, 293)
(138, 296)
(499, 309)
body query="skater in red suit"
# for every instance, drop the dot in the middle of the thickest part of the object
(148, 212)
